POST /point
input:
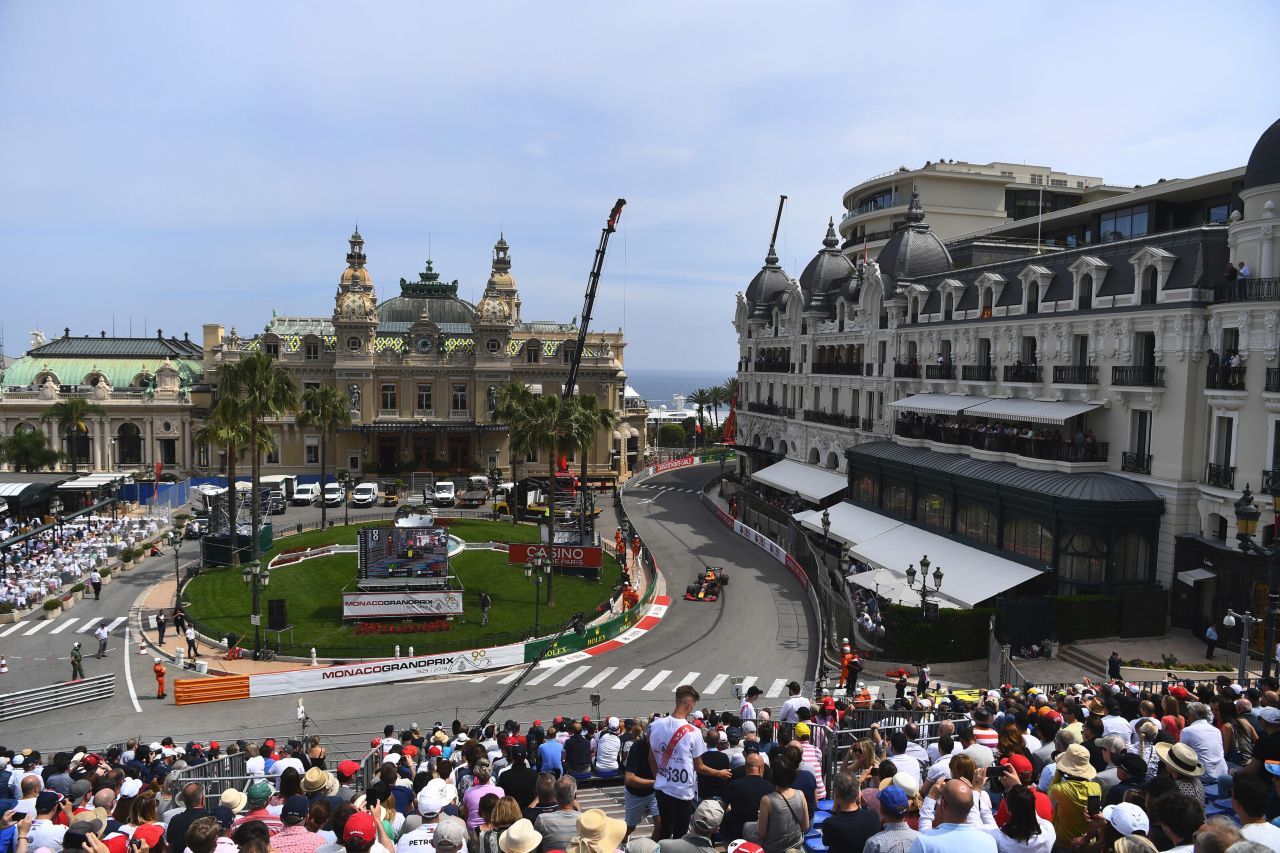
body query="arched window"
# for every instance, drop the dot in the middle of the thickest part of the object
(897, 500)
(1084, 298)
(1028, 538)
(755, 440)
(813, 456)
(833, 461)
(867, 490)
(977, 523)
(768, 444)
(782, 448)
(934, 510)
(128, 445)
(1150, 277)
(1083, 559)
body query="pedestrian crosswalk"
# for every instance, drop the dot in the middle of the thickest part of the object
(646, 680)
(661, 488)
(29, 627)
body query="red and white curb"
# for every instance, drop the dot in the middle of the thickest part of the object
(647, 623)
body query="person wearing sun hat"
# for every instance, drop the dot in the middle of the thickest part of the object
(1184, 767)
(234, 799)
(1072, 786)
(257, 797)
(520, 837)
(599, 833)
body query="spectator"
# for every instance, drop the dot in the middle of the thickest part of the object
(505, 813)
(608, 749)
(482, 784)
(557, 827)
(790, 712)
(550, 754)
(963, 769)
(1206, 740)
(743, 796)
(1113, 749)
(706, 822)
(1249, 797)
(577, 751)
(1131, 775)
(952, 831)
(849, 826)
(712, 786)
(545, 801)
(1183, 767)
(638, 796)
(257, 797)
(294, 837)
(1017, 773)
(520, 837)
(45, 830)
(784, 814)
(897, 836)
(1072, 792)
(519, 780)
(1025, 828)
(675, 757)
(193, 798)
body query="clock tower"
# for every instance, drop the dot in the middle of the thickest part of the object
(355, 323)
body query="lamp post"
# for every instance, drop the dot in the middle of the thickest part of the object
(925, 592)
(1246, 526)
(1246, 627)
(175, 540)
(537, 570)
(344, 479)
(255, 574)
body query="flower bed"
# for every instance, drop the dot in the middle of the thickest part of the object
(430, 626)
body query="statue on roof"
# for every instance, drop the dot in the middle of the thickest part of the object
(38, 339)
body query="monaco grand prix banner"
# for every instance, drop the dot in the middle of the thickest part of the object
(473, 662)
(379, 605)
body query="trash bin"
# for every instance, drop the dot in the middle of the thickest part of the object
(202, 667)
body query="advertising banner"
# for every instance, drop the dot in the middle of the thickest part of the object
(672, 464)
(773, 548)
(564, 556)
(473, 662)
(596, 634)
(379, 605)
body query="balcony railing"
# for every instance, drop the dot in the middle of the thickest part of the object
(978, 372)
(771, 409)
(1076, 374)
(1137, 463)
(1222, 476)
(1032, 447)
(1273, 379)
(1251, 290)
(1271, 481)
(906, 371)
(864, 424)
(830, 419)
(772, 365)
(1224, 378)
(1142, 375)
(838, 368)
(939, 371)
(1022, 373)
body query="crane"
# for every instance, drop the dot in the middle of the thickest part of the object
(593, 281)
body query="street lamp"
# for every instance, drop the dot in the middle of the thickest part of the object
(1247, 515)
(925, 592)
(1247, 620)
(255, 574)
(537, 570)
(175, 540)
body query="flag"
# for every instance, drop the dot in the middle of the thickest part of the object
(729, 431)
(698, 427)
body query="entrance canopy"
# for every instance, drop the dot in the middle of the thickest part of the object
(812, 483)
(1035, 411)
(94, 481)
(849, 524)
(20, 494)
(893, 587)
(1194, 576)
(937, 404)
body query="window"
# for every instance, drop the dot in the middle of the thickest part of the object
(459, 399)
(491, 345)
(566, 353)
(354, 343)
(353, 462)
(389, 403)
(272, 348)
(1140, 432)
(1028, 538)
(1084, 299)
(312, 351)
(307, 386)
(423, 402)
(532, 455)
(897, 501)
(933, 510)
(532, 352)
(273, 455)
(312, 450)
(879, 201)
(1223, 440)
(1218, 214)
(1057, 182)
(1038, 180)
(977, 523)
(1124, 223)
(1130, 560)
(866, 490)
(202, 456)
(169, 451)
(1083, 559)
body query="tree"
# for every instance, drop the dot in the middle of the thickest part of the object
(671, 435)
(551, 428)
(326, 410)
(589, 418)
(72, 416)
(701, 398)
(29, 450)
(515, 409)
(264, 390)
(226, 427)
(716, 393)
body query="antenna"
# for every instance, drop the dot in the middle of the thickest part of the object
(773, 238)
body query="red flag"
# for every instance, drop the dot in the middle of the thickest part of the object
(730, 432)
(698, 427)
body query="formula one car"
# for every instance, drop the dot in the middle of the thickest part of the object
(708, 585)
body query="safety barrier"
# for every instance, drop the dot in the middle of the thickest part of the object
(26, 702)
(222, 688)
(227, 768)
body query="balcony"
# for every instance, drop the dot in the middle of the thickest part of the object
(831, 419)
(906, 371)
(939, 371)
(1222, 476)
(1135, 463)
(1273, 379)
(771, 409)
(864, 424)
(978, 372)
(1140, 375)
(1252, 290)
(1225, 378)
(771, 365)
(1022, 373)
(1032, 447)
(837, 368)
(1271, 482)
(1076, 374)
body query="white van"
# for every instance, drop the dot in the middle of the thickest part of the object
(365, 494)
(306, 495)
(445, 493)
(334, 494)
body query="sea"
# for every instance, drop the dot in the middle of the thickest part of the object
(658, 387)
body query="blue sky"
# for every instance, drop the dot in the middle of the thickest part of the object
(185, 163)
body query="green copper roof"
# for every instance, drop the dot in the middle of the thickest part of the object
(120, 372)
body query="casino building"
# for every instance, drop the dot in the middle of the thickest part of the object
(1069, 402)
(421, 372)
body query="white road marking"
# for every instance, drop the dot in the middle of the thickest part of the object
(480, 679)
(657, 679)
(512, 677)
(128, 675)
(688, 679)
(628, 678)
(116, 622)
(14, 627)
(36, 627)
(541, 677)
(66, 623)
(747, 682)
(775, 690)
(608, 671)
(573, 676)
(88, 626)
(716, 683)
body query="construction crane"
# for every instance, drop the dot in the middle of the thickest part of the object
(593, 281)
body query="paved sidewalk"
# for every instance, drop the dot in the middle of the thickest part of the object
(1180, 643)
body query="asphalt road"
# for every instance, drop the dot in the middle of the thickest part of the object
(760, 629)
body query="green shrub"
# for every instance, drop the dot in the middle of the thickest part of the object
(78, 588)
(53, 604)
(1084, 617)
(1170, 662)
(106, 573)
(7, 607)
(128, 555)
(957, 635)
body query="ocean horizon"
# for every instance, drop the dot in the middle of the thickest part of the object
(658, 387)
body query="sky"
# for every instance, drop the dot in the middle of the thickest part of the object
(167, 165)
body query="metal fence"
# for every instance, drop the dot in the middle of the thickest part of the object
(51, 697)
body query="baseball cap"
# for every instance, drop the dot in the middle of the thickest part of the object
(802, 730)
(1127, 818)
(1020, 763)
(130, 787)
(614, 722)
(893, 800)
(430, 802)
(223, 814)
(748, 726)
(151, 833)
(47, 801)
(744, 846)
(1267, 714)
(1133, 765)
(360, 827)
(348, 768)
(1273, 767)
(296, 806)
(450, 834)
(259, 792)
(708, 816)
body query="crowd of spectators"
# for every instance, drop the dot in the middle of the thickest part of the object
(38, 566)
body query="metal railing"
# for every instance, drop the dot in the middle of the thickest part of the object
(830, 419)
(1226, 378)
(1137, 463)
(906, 371)
(1051, 448)
(1250, 290)
(837, 368)
(771, 365)
(1270, 481)
(865, 425)
(1273, 379)
(1076, 374)
(940, 371)
(24, 703)
(1222, 476)
(1141, 375)
(978, 372)
(1022, 373)
(771, 409)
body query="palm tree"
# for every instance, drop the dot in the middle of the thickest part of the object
(324, 409)
(515, 408)
(264, 390)
(226, 427)
(701, 398)
(730, 387)
(717, 396)
(72, 416)
(29, 450)
(550, 427)
(589, 418)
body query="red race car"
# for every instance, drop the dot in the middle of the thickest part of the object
(708, 586)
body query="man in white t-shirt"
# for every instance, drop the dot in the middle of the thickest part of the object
(790, 712)
(675, 757)
(287, 759)
(608, 748)
(748, 709)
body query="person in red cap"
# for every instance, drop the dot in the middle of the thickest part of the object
(1017, 771)
(360, 832)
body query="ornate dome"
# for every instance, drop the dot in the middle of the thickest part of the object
(427, 297)
(1264, 162)
(830, 270)
(913, 250)
(356, 277)
(768, 284)
(493, 310)
(355, 306)
(500, 278)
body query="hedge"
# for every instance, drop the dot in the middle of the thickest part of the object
(53, 604)
(1084, 617)
(957, 635)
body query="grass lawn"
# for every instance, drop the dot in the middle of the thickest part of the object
(221, 602)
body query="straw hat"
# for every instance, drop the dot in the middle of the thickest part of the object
(1180, 758)
(234, 800)
(1074, 761)
(520, 837)
(597, 833)
(315, 780)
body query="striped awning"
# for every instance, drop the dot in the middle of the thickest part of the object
(1035, 411)
(937, 404)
